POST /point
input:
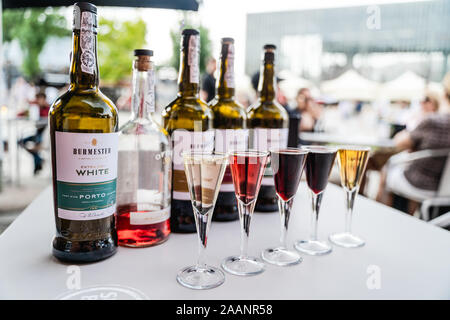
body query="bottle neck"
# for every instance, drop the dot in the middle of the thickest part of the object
(225, 85)
(188, 79)
(266, 86)
(84, 74)
(143, 98)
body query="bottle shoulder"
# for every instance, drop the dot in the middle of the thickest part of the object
(92, 103)
(144, 127)
(228, 108)
(267, 109)
(187, 106)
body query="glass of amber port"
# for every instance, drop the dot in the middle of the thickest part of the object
(204, 174)
(352, 162)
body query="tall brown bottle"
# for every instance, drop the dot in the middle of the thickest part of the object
(268, 124)
(188, 120)
(230, 129)
(83, 134)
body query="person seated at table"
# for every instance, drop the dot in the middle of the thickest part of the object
(420, 176)
(36, 139)
(309, 111)
(428, 105)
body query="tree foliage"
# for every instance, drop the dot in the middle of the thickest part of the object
(32, 27)
(205, 46)
(116, 42)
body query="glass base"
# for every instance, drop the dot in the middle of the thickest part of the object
(200, 278)
(281, 256)
(346, 240)
(313, 247)
(240, 266)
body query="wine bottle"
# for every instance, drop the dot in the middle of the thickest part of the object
(268, 123)
(188, 120)
(83, 134)
(230, 129)
(143, 194)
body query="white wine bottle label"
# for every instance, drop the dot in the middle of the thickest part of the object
(150, 95)
(151, 216)
(227, 140)
(87, 39)
(264, 139)
(184, 140)
(193, 58)
(229, 74)
(86, 174)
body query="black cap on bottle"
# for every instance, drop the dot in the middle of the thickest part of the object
(190, 32)
(269, 46)
(86, 6)
(227, 40)
(80, 7)
(143, 52)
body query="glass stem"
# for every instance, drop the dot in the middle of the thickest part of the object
(351, 195)
(245, 215)
(285, 212)
(316, 200)
(203, 222)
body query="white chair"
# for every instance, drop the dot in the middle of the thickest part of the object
(442, 196)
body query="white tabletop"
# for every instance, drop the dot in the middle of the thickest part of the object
(371, 141)
(411, 258)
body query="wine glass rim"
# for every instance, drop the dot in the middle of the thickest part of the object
(250, 153)
(354, 147)
(213, 154)
(320, 149)
(289, 150)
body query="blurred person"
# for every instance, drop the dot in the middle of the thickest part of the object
(420, 176)
(208, 87)
(428, 105)
(36, 139)
(309, 111)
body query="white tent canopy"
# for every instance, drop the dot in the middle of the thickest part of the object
(292, 83)
(350, 86)
(407, 86)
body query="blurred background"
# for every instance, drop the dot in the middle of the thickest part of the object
(351, 72)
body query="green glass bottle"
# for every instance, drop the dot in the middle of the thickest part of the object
(268, 123)
(230, 129)
(83, 134)
(188, 120)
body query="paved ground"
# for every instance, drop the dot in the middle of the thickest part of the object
(14, 198)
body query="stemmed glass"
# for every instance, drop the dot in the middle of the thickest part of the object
(287, 165)
(319, 163)
(204, 173)
(247, 168)
(352, 164)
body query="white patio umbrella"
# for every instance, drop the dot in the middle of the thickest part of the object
(408, 86)
(350, 86)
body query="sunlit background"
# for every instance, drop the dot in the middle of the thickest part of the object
(368, 65)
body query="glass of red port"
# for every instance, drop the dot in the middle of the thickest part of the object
(287, 165)
(247, 169)
(319, 163)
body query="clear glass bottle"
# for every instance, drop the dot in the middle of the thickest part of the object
(144, 165)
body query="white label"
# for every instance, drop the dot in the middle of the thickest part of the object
(269, 139)
(149, 217)
(87, 42)
(227, 140)
(184, 140)
(150, 96)
(86, 174)
(229, 74)
(193, 58)
(231, 140)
